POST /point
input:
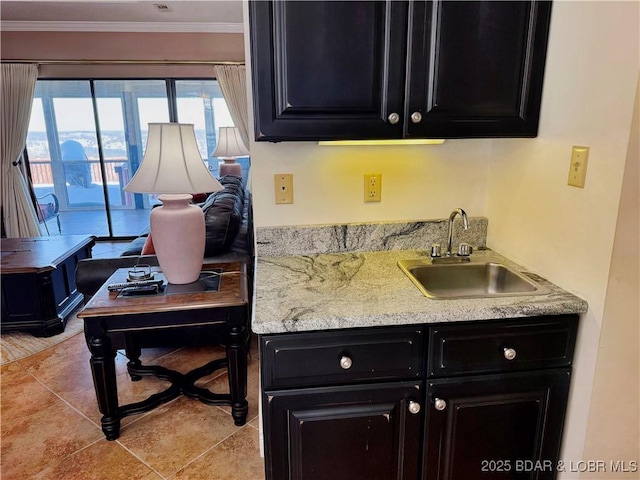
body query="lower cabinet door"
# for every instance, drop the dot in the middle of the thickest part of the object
(498, 427)
(344, 433)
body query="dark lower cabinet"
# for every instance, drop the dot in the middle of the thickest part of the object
(503, 427)
(453, 401)
(344, 433)
(38, 285)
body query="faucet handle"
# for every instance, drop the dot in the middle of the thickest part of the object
(436, 251)
(464, 250)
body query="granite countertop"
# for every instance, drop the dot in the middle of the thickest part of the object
(296, 293)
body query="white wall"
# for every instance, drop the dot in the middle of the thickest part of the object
(615, 412)
(418, 182)
(565, 233)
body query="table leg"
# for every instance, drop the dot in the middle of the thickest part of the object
(133, 352)
(103, 368)
(237, 355)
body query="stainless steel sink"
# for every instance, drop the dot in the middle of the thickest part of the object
(484, 278)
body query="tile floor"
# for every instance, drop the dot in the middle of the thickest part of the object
(51, 423)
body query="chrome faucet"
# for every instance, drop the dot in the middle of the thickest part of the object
(465, 225)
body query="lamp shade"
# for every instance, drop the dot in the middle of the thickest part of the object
(172, 163)
(229, 144)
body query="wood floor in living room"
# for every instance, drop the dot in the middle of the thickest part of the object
(51, 422)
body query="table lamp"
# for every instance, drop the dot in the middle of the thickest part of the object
(229, 147)
(173, 167)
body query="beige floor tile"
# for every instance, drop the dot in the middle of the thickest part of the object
(255, 423)
(47, 437)
(237, 458)
(32, 437)
(102, 460)
(64, 367)
(17, 387)
(175, 434)
(186, 359)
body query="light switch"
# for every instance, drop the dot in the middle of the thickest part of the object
(578, 167)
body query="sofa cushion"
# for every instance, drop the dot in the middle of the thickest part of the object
(135, 247)
(223, 215)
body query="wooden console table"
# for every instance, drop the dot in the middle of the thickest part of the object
(223, 312)
(38, 281)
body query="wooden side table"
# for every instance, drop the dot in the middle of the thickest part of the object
(38, 284)
(225, 311)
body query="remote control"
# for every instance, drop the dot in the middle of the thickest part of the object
(145, 290)
(114, 287)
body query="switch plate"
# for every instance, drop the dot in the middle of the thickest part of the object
(578, 166)
(283, 187)
(372, 187)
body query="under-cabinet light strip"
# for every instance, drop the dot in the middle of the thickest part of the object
(413, 141)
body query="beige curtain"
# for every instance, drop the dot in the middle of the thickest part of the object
(18, 82)
(233, 83)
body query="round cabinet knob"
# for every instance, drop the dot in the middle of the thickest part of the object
(509, 353)
(393, 118)
(345, 363)
(440, 404)
(416, 117)
(414, 407)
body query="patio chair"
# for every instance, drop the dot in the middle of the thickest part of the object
(49, 209)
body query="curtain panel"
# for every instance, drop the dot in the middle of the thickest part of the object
(17, 84)
(233, 83)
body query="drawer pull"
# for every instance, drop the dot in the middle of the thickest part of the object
(509, 353)
(440, 404)
(393, 118)
(414, 407)
(345, 363)
(416, 117)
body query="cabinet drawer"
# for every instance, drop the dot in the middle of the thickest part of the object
(502, 346)
(333, 358)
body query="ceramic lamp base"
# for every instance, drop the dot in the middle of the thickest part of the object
(178, 232)
(229, 167)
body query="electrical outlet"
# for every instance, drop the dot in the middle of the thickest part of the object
(372, 187)
(578, 167)
(283, 187)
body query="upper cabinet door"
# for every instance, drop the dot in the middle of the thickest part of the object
(328, 69)
(476, 68)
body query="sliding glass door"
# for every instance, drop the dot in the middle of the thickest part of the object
(64, 160)
(86, 139)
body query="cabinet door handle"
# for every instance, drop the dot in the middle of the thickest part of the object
(416, 117)
(414, 407)
(509, 353)
(393, 118)
(345, 363)
(440, 404)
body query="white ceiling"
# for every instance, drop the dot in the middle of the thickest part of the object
(122, 16)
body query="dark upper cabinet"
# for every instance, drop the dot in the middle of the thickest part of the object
(476, 68)
(325, 70)
(334, 70)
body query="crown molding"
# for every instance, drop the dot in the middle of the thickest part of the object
(167, 27)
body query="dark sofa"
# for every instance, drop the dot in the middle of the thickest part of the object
(229, 238)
